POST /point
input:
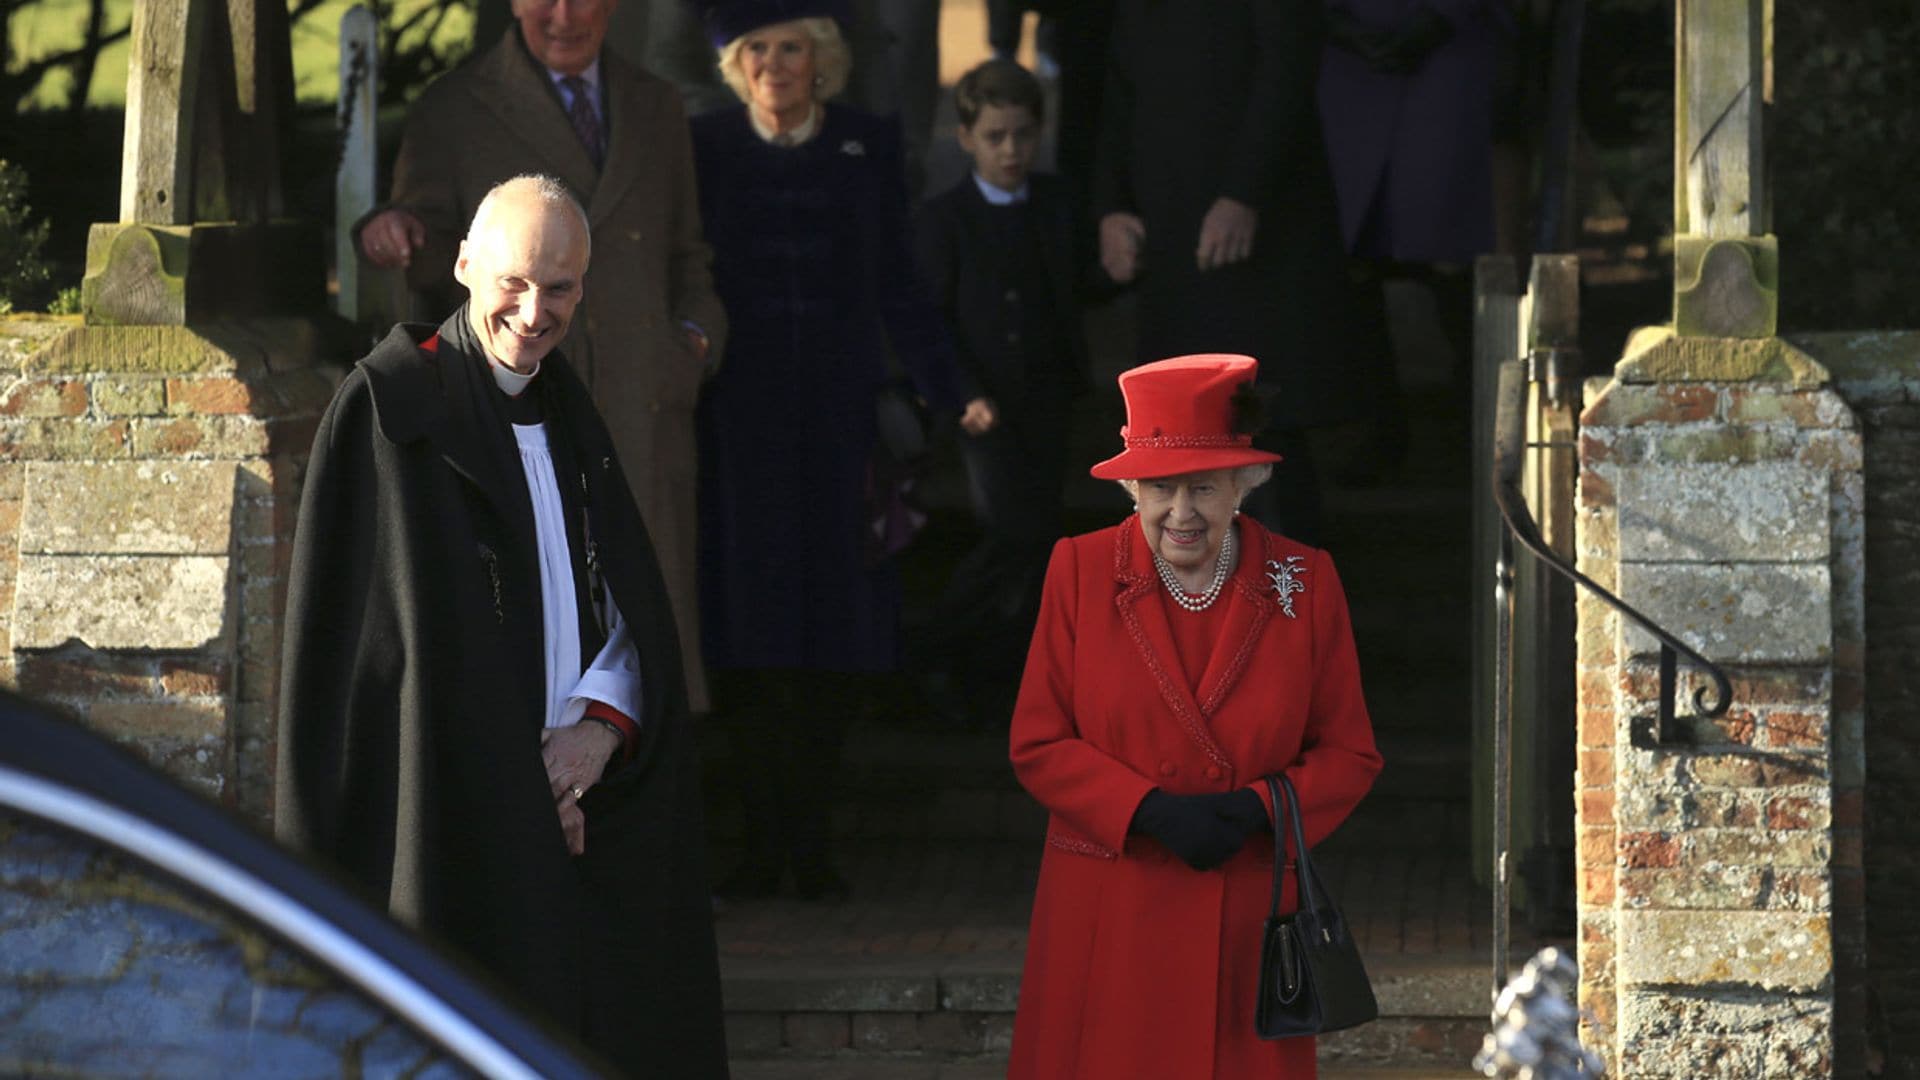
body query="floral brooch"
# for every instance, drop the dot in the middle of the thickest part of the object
(1285, 583)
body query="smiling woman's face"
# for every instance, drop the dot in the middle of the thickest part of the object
(1186, 517)
(778, 64)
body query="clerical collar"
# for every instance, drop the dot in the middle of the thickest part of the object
(999, 196)
(787, 138)
(510, 382)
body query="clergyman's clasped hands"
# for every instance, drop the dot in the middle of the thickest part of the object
(1203, 830)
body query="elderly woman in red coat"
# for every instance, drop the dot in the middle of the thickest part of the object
(1180, 657)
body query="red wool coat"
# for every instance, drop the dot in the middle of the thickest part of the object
(1137, 965)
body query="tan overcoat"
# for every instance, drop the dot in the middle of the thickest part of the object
(497, 116)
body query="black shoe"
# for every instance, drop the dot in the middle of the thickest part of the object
(820, 881)
(751, 880)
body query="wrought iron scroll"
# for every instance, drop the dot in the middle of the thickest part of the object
(1655, 732)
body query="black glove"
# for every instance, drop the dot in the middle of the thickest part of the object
(1203, 830)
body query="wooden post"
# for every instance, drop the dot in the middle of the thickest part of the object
(1726, 264)
(199, 239)
(353, 184)
(163, 80)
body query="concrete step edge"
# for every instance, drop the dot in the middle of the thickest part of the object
(1443, 988)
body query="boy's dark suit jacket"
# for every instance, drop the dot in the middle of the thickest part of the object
(971, 277)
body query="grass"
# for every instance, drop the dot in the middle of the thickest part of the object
(47, 27)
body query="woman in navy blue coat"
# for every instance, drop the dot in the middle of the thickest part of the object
(805, 206)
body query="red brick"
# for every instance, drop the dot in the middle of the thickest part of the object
(186, 677)
(84, 678)
(1596, 806)
(1686, 403)
(1595, 846)
(1596, 886)
(1594, 450)
(1777, 687)
(1648, 850)
(10, 517)
(886, 1031)
(1737, 726)
(1595, 489)
(1792, 812)
(1595, 727)
(157, 719)
(209, 396)
(1796, 730)
(45, 397)
(1595, 768)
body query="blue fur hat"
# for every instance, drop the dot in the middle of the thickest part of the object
(729, 19)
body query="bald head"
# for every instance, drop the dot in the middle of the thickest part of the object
(524, 263)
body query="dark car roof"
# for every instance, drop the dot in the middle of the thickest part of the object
(39, 744)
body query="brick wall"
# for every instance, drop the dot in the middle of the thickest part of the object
(1879, 376)
(1720, 882)
(148, 479)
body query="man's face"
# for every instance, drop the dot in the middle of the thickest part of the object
(565, 35)
(1002, 142)
(524, 269)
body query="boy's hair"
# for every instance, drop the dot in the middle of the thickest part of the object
(998, 82)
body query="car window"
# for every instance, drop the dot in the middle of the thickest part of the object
(109, 968)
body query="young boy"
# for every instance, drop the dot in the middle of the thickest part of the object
(998, 249)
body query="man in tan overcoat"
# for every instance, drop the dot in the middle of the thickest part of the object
(549, 99)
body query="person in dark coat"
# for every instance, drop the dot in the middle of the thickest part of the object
(1213, 193)
(483, 716)
(806, 208)
(999, 249)
(1406, 101)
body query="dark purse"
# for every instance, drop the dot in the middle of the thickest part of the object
(1311, 978)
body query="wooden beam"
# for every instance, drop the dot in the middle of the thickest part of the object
(163, 80)
(1719, 150)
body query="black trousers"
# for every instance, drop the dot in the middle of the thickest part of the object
(1015, 474)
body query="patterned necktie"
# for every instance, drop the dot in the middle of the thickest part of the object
(586, 123)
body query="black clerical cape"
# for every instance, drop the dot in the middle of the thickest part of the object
(412, 701)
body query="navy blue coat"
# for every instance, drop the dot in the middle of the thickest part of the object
(813, 260)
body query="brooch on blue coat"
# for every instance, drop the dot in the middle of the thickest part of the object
(854, 148)
(1285, 584)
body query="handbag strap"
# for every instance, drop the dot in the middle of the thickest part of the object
(1287, 802)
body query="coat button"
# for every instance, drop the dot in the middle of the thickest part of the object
(1215, 772)
(1013, 296)
(1167, 768)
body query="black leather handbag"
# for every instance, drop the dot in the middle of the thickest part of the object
(1311, 978)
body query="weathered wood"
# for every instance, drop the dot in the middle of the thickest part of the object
(353, 183)
(1719, 84)
(163, 85)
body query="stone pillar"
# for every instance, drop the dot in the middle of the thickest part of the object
(1720, 494)
(148, 485)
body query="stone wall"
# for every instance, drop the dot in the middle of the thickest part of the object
(1720, 881)
(1879, 376)
(148, 484)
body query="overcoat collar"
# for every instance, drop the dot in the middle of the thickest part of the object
(515, 89)
(1249, 608)
(443, 400)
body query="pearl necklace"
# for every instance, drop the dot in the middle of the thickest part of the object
(1203, 600)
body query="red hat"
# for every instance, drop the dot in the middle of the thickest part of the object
(1180, 418)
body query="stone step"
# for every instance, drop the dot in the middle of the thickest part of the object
(905, 1068)
(937, 1012)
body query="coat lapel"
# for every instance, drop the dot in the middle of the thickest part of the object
(1146, 622)
(629, 114)
(1249, 608)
